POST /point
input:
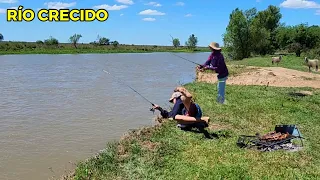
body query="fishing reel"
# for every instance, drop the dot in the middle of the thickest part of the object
(152, 110)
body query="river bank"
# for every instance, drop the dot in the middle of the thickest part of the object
(165, 152)
(7, 48)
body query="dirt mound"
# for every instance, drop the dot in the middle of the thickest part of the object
(272, 76)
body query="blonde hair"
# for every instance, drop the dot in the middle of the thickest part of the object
(185, 99)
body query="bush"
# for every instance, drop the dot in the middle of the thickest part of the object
(51, 41)
(39, 42)
(313, 53)
(295, 48)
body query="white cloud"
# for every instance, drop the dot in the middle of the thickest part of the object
(152, 12)
(59, 5)
(121, 14)
(299, 4)
(155, 4)
(318, 12)
(130, 2)
(3, 11)
(180, 4)
(8, 1)
(188, 15)
(148, 19)
(151, 3)
(110, 8)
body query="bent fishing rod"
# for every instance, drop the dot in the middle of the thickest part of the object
(183, 57)
(151, 109)
(187, 59)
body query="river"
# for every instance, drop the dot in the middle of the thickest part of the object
(56, 110)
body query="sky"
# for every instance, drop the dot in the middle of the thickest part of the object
(149, 22)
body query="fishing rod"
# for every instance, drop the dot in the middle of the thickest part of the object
(183, 57)
(151, 109)
(187, 59)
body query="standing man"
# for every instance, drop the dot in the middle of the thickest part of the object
(216, 63)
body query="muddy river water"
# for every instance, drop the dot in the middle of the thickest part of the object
(56, 110)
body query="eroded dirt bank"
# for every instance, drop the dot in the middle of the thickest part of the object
(274, 76)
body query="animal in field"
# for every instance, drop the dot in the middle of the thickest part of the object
(276, 59)
(312, 63)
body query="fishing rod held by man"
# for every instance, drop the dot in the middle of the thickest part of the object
(187, 60)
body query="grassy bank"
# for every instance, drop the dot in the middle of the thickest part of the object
(290, 61)
(165, 152)
(236, 67)
(66, 48)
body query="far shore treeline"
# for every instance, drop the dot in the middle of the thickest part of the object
(249, 33)
(100, 45)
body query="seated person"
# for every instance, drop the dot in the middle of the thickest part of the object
(177, 108)
(191, 113)
(186, 117)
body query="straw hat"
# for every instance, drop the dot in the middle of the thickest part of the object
(175, 95)
(186, 100)
(215, 46)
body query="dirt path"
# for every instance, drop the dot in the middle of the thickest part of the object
(275, 76)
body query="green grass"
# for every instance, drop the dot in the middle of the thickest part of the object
(234, 70)
(66, 48)
(90, 51)
(290, 62)
(165, 152)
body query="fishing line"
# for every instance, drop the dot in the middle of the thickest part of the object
(187, 59)
(183, 57)
(131, 89)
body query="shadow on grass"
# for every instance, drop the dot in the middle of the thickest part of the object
(299, 94)
(209, 135)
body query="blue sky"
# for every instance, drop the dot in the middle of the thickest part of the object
(149, 22)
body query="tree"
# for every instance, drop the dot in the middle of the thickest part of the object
(269, 21)
(1, 37)
(299, 38)
(296, 48)
(251, 31)
(115, 43)
(39, 42)
(176, 42)
(192, 42)
(103, 41)
(236, 38)
(249, 16)
(285, 36)
(313, 38)
(262, 33)
(260, 40)
(51, 41)
(270, 18)
(74, 39)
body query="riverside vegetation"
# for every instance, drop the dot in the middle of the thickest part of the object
(101, 45)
